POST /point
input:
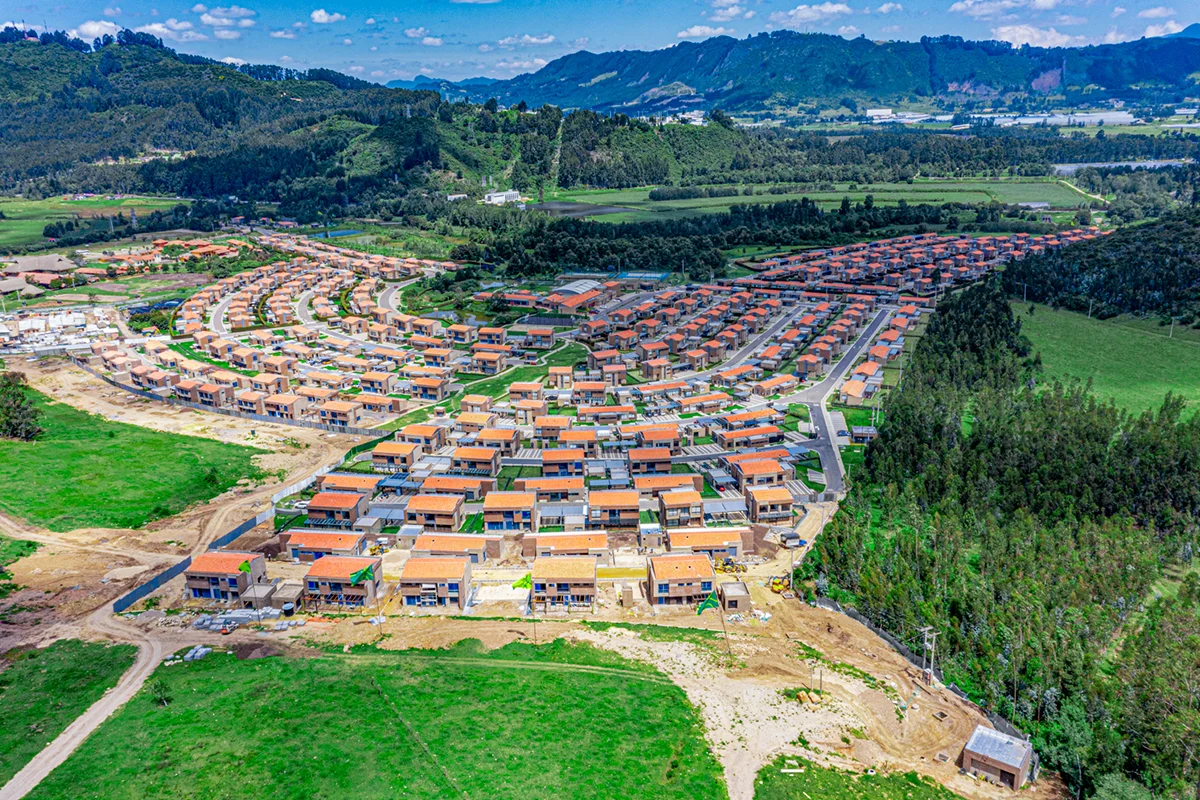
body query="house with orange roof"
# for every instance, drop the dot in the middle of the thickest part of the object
(649, 460)
(435, 582)
(679, 579)
(475, 461)
(336, 509)
(469, 488)
(313, 545)
(394, 456)
(716, 543)
(223, 574)
(552, 490)
(769, 504)
(506, 440)
(435, 512)
(681, 508)
(653, 485)
(344, 581)
(471, 546)
(510, 511)
(563, 583)
(429, 437)
(759, 472)
(563, 462)
(613, 509)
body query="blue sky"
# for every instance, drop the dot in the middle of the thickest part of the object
(379, 41)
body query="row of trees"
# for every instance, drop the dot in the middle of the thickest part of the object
(1026, 524)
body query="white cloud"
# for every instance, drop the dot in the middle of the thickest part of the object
(323, 17)
(286, 59)
(726, 13)
(518, 64)
(1043, 5)
(431, 41)
(984, 9)
(355, 69)
(888, 8)
(703, 32)
(378, 73)
(416, 33)
(91, 29)
(1037, 37)
(246, 23)
(373, 48)
(112, 11)
(891, 29)
(751, 14)
(1158, 12)
(299, 25)
(370, 21)
(233, 60)
(227, 34)
(1118, 11)
(582, 41)
(485, 48)
(173, 31)
(1114, 36)
(283, 33)
(805, 14)
(1167, 28)
(848, 30)
(1068, 19)
(217, 22)
(233, 11)
(525, 40)
(347, 41)
(199, 8)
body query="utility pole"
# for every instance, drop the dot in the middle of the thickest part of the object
(928, 652)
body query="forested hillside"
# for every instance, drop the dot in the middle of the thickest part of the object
(1151, 269)
(1026, 523)
(785, 69)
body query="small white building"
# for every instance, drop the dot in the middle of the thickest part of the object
(500, 198)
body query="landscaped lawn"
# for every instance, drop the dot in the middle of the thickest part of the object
(1136, 367)
(25, 219)
(86, 471)
(818, 783)
(43, 691)
(524, 721)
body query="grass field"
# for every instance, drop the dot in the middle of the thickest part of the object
(12, 550)
(85, 471)
(1134, 365)
(817, 783)
(43, 691)
(920, 191)
(556, 720)
(25, 219)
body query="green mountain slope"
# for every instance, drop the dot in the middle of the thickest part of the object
(784, 69)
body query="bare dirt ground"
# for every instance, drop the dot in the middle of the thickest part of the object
(76, 572)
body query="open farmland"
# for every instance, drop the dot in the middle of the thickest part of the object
(1135, 366)
(43, 691)
(519, 722)
(25, 219)
(86, 471)
(922, 191)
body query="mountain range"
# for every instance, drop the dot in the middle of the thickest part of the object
(787, 70)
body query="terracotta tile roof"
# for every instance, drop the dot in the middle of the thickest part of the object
(475, 453)
(764, 466)
(343, 567)
(334, 501)
(506, 501)
(571, 541)
(771, 494)
(662, 481)
(680, 497)
(394, 448)
(712, 537)
(681, 567)
(462, 543)
(320, 540)
(220, 561)
(613, 499)
(434, 503)
(434, 569)
(559, 455)
(564, 568)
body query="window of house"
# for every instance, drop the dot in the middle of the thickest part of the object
(663, 588)
(312, 586)
(706, 586)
